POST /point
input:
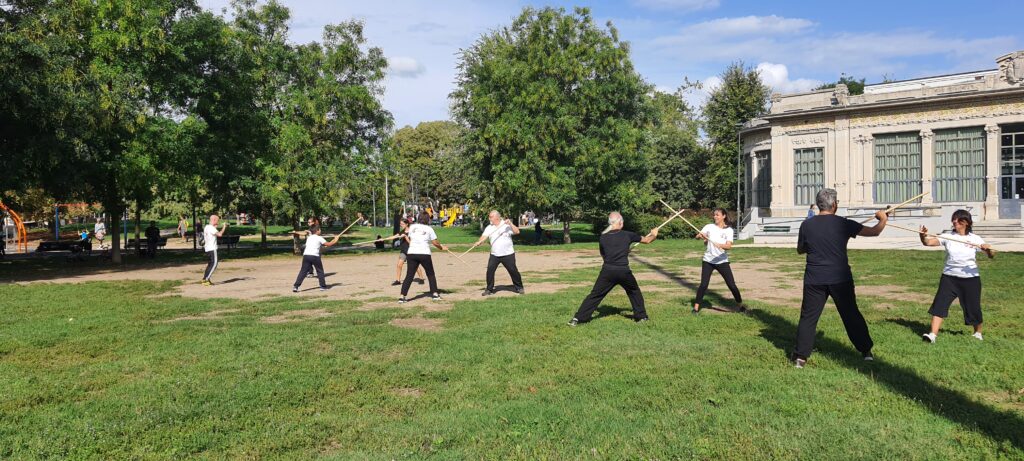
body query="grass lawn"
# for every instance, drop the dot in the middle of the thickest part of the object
(96, 371)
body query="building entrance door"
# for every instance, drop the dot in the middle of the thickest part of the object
(1011, 181)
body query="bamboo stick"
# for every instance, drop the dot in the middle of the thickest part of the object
(894, 207)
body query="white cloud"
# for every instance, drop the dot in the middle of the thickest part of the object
(749, 25)
(680, 5)
(776, 76)
(403, 66)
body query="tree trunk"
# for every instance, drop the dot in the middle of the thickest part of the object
(296, 248)
(565, 231)
(263, 232)
(115, 235)
(138, 227)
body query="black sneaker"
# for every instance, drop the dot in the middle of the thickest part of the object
(868, 357)
(520, 291)
(295, 289)
(396, 283)
(573, 322)
(487, 292)
(402, 300)
(325, 288)
(436, 297)
(742, 309)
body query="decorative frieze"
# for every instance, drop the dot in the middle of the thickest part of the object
(960, 111)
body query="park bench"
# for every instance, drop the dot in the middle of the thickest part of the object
(229, 241)
(55, 247)
(775, 229)
(144, 244)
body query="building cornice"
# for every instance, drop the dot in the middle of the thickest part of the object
(852, 109)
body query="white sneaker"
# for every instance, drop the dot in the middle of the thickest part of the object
(977, 335)
(928, 337)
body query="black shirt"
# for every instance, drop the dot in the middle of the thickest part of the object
(824, 238)
(615, 249)
(152, 233)
(403, 246)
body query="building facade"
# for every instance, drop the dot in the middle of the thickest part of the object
(959, 137)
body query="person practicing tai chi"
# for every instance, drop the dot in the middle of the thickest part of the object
(502, 252)
(311, 257)
(614, 245)
(403, 253)
(960, 277)
(823, 239)
(719, 237)
(421, 237)
(210, 234)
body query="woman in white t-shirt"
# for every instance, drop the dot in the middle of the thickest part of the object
(311, 257)
(421, 237)
(718, 237)
(960, 277)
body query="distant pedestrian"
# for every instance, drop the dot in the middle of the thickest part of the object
(538, 232)
(152, 239)
(182, 228)
(210, 235)
(810, 212)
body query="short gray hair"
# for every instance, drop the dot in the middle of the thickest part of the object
(826, 199)
(494, 212)
(614, 217)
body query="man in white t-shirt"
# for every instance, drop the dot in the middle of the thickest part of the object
(500, 233)
(210, 234)
(421, 237)
(311, 257)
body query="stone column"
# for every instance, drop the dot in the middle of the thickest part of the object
(839, 140)
(927, 165)
(863, 169)
(782, 170)
(992, 164)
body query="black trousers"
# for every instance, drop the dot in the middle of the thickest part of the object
(967, 290)
(211, 264)
(607, 280)
(509, 261)
(705, 278)
(845, 296)
(412, 263)
(151, 247)
(308, 263)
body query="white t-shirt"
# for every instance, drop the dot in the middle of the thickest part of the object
(99, 227)
(210, 238)
(501, 239)
(420, 236)
(713, 254)
(313, 244)
(960, 258)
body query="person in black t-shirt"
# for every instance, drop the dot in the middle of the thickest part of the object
(403, 254)
(614, 246)
(823, 238)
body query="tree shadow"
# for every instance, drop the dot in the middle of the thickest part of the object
(999, 425)
(665, 272)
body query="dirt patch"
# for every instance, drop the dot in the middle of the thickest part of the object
(408, 392)
(419, 323)
(212, 315)
(297, 316)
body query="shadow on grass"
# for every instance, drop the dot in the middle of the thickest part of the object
(712, 299)
(1001, 426)
(918, 327)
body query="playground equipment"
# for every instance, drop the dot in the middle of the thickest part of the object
(451, 214)
(21, 235)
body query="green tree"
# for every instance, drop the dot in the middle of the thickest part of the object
(853, 85)
(677, 158)
(741, 97)
(429, 158)
(555, 117)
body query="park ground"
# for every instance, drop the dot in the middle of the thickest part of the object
(141, 362)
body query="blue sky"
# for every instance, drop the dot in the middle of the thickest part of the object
(796, 44)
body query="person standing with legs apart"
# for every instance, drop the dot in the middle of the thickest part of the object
(614, 245)
(403, 253)
(421, 237)
(311, 257)
(500, 235)
(823, 239)
(719, 237)
(960, 278)
(210, 234)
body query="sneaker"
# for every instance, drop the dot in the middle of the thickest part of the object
(402, 300)
(799, 362)
(742, 309)
(295, 289)
(325, 288)
(929, 337)
(573, 322)
(436, 297)
(396, 283)
(642, 320)
(520, 291)
(868, 357)
(207, 283)
(977, 334)
(487, 293)
(419, 281)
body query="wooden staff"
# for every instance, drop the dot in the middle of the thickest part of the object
(935, 236)
(670, 218)
(894, 207)
(382, 239)
(684, 219)
(458, 257)
(496, 229)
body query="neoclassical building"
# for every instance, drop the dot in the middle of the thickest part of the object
(959, 137)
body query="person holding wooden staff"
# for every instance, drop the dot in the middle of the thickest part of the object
(311, 257)
(823, 239)
(960, 277)
(718, 236)
(421, 237)
(502, 252)
(614, 245)
(403, 253)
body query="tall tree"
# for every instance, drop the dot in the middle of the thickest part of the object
(555, 115)
(677, 158)
(741, 97)
(853, 85)
(430, 159)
